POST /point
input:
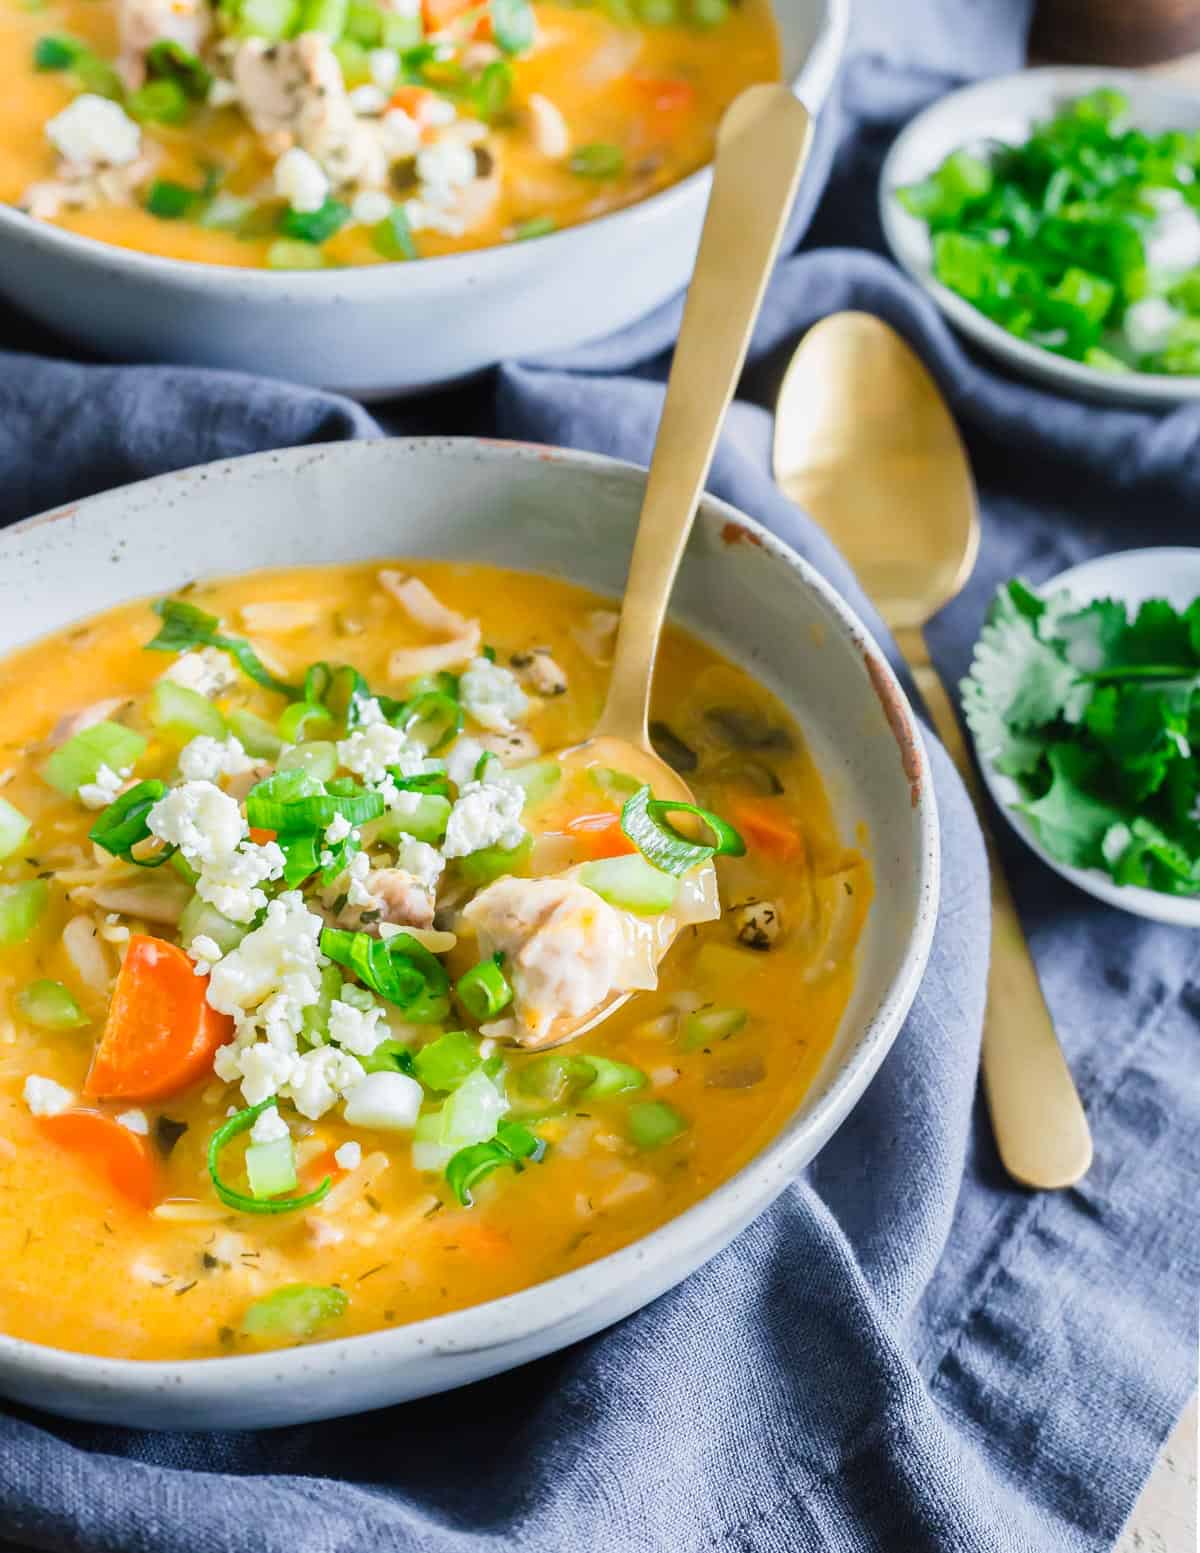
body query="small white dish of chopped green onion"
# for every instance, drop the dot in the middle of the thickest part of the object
(1054, 217)
(1084, 703)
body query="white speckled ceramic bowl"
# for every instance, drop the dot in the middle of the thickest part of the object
(572, 515)
(1132, 576)
(1004, 108)
(391, 328)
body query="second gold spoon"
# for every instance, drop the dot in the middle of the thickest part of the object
(865, 444)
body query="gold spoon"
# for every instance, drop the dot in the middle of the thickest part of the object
(762, 145)
(865, 444)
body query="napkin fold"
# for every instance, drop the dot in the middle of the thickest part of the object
(906, 1352)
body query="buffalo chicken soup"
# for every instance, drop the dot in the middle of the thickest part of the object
(303, 133)
(294, 892)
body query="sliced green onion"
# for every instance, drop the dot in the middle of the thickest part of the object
(390, 1057)
(434, 783)
(315, 226)
(123, 825)
(554, 1077)
(653, 1123)
(400, 32)
(513, 1145)
(56, 53)
(433, 719)
(643, 819)
(200, 920)
(271, 1168)
(184, 627)
(613, 784)
(229, 1195)
(97, 75)
(491, 90)
(489, 863)
(170, 61)
(78, 761)
(399, 969)
(536, 226)
(14, 827)
(316, 1016)
(708, 1025)
(392, 238)
(286, 254)
(50, 1006)
(513, 26)
(162, 102)
(22, 907)
(183, 868)
(427, 822)
(446, 1062)
(318, 757)
(182, 713)
(256, 734)
(611, 1078)
(484, 990)
(364, 24)
(301, 857)
(304, 720)
(631, 883)
(295, 1310)
(598, 160)
(293, 800)
(709, 13)
(539, 780)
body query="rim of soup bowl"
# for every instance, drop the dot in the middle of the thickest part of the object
(686, 1240)
(354, 283)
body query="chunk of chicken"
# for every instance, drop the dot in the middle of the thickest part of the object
(398, 897)
(422, 605)
(87, 188)
(293, 94)
(564, 948)
(142, 23)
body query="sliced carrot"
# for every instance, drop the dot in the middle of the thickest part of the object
(314, 1171)
(260, 837)
(161, 1033)
(666, 94)
(599, 835)
(124, 1156)
(411, 99)
(768, 829)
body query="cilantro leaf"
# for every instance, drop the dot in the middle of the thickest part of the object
(1070, 823)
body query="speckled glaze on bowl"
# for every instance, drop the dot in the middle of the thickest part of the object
(391, 328)
(566, 514)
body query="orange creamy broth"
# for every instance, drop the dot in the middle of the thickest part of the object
(618, 84)
(86, 1270)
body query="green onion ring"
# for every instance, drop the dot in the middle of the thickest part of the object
(643, 819)
(229, 1195)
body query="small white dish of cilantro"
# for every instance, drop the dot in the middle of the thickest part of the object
(1084, 703)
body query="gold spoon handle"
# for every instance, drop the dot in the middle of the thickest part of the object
(761, 148)
(1037, 1117)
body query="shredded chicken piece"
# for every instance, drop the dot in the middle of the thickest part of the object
(513, 748)
(83, 946)
(141, 23)
(422, 606)
(281, 615)
(409, 662)
(293, 94)
(397, 898)
(153, 900)
(547, 127)
(75, 722)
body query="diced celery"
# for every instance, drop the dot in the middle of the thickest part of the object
(14, 827)
(401, 32)
(273, 19)
(296, 1310)
(446, 1062)
(630, 882)
(184, 714)
(271, 1167)
(707, 1025)
(539, 780)
(354, 60)
(481, 867)
(614, 784)
(80, 758)
(316, 1015)
(611, 1078)
(653, 1123)
(428, 1151)
(21, 909)
(304, 720)
(285, 254)
(51, 1006)
(389, 1057)
(364, 24)
(554, 1077)
(256, 734)
(199, 919)
(472, 1112)
(327, 16)
(318, 757)
(427, 822)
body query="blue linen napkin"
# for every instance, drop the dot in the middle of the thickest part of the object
(906, 1353)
